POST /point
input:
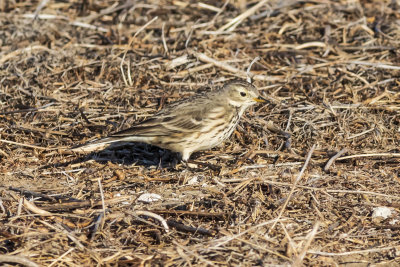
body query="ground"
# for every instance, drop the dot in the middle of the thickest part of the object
(73, 71)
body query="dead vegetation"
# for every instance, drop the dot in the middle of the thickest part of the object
(71, 71)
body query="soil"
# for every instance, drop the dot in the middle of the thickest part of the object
(74, 71)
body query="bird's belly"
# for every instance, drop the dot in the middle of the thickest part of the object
(214, 137)
(210, 136)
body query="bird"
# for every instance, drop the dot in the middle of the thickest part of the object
(200, 122)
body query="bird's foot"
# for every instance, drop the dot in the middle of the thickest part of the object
(212, 167)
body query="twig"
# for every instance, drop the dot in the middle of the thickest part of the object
(41, 5)
(31, 193)
(154, 216)
(22, 50)
(26, 145)
(310, 237)
(98, 223)
(163, 38)
(360, 134)
(212, 22)
(193, 70)
(130, 44)
(209, 7)
(249, 68)
(3, 210)
(361, 192)
(32, 207)
(62, 256)
(191, 213)
(224, 240)
(108, 10)
(393, 155)
(200, 258)
(291, 244)
(353, 252)
(17, 259)
(311, 44)
(378, 65)
(355, 75)
(262, 181)
(73, 23)
(294, 186)
(83, 204)
(332, 159)
(229, 68)
(184, 228)
(71, 236)
(263, 248)
(26, 110)
(103, 204)
(230, 26)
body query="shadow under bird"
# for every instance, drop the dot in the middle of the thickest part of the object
(200, 122)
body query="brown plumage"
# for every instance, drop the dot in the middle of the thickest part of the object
(197, 123)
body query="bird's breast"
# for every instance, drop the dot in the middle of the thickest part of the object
(217, 130)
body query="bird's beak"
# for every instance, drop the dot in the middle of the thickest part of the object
(260, 99)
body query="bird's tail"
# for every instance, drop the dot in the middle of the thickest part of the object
(96, 144)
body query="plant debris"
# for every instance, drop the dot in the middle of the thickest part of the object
(298, 181)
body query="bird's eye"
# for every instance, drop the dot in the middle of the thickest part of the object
(243, 94)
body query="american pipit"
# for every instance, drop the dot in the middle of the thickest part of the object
(197, 123)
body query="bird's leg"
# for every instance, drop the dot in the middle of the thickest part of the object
(185, 164)
(184, 159)
(159, 167)
(189, 164)
(176, 159)
(168, 156)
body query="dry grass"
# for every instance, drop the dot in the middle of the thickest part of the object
(81, 69)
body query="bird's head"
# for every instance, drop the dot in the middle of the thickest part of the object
(242, 94)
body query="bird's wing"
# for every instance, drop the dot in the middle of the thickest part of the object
(179, 118)
(156, 126)
(166, 123)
